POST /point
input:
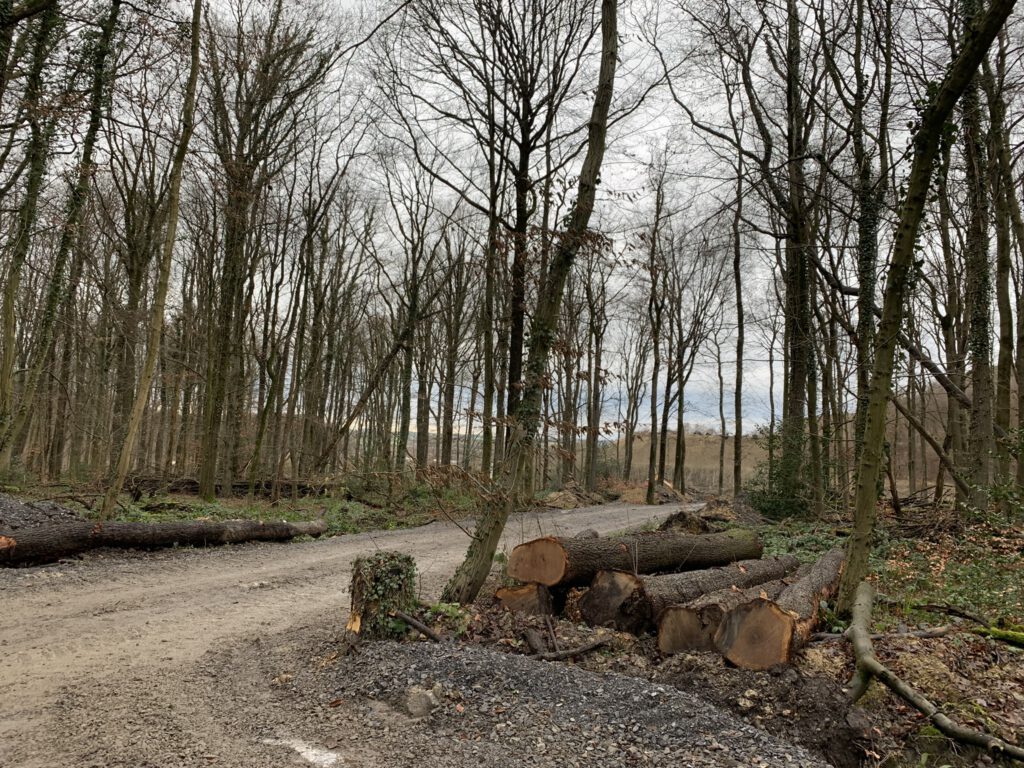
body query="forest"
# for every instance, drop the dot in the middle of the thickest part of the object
(285, 244)
(464, 256)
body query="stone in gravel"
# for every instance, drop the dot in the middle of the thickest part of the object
(420, 702)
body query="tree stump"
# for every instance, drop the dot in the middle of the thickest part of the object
(382, 584)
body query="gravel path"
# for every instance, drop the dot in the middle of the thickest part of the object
(500, 709)
(222, 657)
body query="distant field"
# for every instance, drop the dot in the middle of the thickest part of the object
(701, 459)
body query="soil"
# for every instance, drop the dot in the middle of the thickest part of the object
(198, 657)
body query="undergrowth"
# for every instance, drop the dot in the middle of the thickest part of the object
(978, 569)
(409, 506)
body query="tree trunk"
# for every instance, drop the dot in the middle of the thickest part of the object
(926, 147)
(978, 288)
(156, 321)
(552, 561)
(46, 544)
(763, 633)
(737, 276)
(632, 603)
(465, 584)
(101, 82)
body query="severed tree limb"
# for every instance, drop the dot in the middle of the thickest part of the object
(936, 447)
(946, 629)
(570, 652)
(1014, 637)
(868, 667)
(418, 625)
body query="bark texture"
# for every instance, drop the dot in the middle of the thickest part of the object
(46, 544)
(552, 560)
(762, 633)
(634, 603)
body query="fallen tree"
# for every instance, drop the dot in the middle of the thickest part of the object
(762, 632)
(45, 544)
(633, 603)
(552, 561)
(869, 667)
(692, 627)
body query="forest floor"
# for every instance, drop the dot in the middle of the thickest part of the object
(230, 657)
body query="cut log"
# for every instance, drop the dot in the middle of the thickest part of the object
(552, 560)
(762, 633)
(692, 627)
(608, 602)
(634, 603)
(45, 544)
(531, 599)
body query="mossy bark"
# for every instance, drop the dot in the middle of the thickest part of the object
(382, 584)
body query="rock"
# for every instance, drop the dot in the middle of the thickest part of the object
(420, 702)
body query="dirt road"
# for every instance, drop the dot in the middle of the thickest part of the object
(110, 661)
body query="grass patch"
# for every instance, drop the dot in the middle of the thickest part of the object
(979, 570)
(367, 506)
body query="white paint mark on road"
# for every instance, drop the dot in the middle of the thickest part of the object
(322, 757)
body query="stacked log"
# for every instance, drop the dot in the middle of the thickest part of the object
(764, 632)
(692, 626)
(633, 603)
(555, 561)
(703, 591)
(531, 599)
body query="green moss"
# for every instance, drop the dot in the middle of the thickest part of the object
(383, 583)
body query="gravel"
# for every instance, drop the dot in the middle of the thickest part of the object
(501, 709)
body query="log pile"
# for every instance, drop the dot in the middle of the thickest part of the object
(697, 591)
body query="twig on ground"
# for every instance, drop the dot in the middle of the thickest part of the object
(822, 637)
(551, 631)
(418, 625)
(570, 652)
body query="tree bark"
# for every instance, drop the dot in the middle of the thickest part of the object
(156, 320)
(553, 561)
(632, 603)
(470, 576)
(927, 139)
(46, 544)
(763, 633)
